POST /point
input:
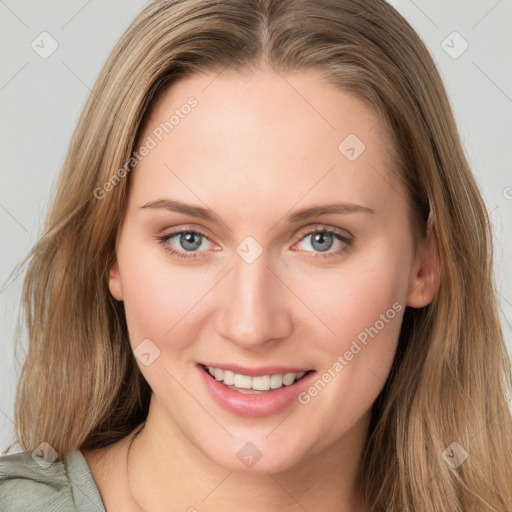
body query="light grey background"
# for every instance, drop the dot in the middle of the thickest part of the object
(40, 101)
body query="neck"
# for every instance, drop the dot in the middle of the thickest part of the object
(133, 436)
(165, 470)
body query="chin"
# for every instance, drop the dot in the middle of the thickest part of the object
(254, 456)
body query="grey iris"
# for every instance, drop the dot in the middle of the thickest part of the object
(321, 238)
(188, 243)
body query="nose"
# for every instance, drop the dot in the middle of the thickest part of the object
(256, 308)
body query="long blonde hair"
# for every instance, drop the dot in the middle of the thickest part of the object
(80, 386)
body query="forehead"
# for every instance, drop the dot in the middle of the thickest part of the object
(264, 135)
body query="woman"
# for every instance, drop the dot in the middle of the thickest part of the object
(265, 280)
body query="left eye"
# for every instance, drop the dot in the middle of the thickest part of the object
(322, 240)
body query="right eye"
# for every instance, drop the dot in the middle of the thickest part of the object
(187, 241)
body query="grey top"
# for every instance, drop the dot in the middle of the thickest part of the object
(26, 485)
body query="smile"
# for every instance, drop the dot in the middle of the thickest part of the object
(254, 395)
(247, 384)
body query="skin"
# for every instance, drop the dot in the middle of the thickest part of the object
(254, 151)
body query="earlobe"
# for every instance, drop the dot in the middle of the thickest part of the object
(425, 277)
(114, 282)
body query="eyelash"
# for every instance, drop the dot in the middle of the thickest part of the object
(323, 230)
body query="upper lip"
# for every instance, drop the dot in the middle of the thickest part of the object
(257, 371)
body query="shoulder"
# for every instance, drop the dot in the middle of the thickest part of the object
(25, 484)
(29, 483)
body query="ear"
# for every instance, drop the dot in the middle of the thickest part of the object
(114, 282)
(425, 275)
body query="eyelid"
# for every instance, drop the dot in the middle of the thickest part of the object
(323, 227)
(188, 228)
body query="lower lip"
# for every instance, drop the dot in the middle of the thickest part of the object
(252, 405)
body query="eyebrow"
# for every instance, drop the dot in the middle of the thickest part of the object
(306, 213)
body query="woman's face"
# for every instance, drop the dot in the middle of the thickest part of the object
(265, 235)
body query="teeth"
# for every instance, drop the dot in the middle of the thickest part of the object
(229, 377)
(288, 378)
(242, 381)
(260, 383)
(276, 381)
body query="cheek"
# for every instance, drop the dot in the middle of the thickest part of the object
(160, 297)
(358, 295)
(364, 306)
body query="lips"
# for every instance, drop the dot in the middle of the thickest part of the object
(249, 402)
